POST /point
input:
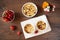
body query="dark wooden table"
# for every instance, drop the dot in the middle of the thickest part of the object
(16, 5)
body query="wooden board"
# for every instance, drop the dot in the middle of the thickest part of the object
(16, 5)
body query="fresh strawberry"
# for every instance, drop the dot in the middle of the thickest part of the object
(18, 33)
(12, 27)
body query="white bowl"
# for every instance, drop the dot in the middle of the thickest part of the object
(33, 5)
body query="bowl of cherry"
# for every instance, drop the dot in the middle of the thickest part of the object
(8, 16)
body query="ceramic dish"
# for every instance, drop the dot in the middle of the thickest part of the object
(29, 9)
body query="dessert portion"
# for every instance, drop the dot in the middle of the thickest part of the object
(41, 25)
(28, 28)
(8, 16)
(47, 7)
(29, 9)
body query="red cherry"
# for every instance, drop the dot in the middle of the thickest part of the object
(9, 18)
(36, 31)
(9, 13)
(18, 33)
(5, 19)
(12, 27)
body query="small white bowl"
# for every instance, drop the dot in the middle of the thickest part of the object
(33, 5)
(13, 16)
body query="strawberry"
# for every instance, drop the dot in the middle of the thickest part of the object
(12, 27)
(18, 33)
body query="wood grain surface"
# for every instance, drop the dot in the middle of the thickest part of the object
(16, 5)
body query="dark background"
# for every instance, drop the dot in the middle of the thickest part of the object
(16, 5)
